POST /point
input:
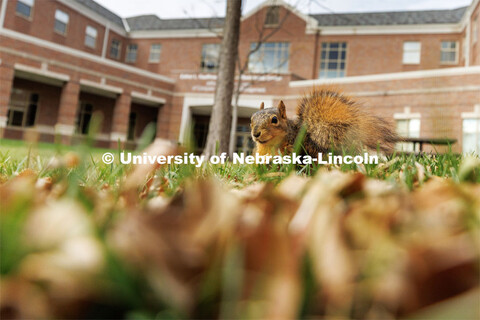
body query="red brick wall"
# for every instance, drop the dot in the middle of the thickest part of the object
(42, 22)
(100, 105)
(439, 104)
(49, 98)
(145, 116)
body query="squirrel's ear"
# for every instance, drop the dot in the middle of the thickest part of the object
(282, 109)
(262, 106)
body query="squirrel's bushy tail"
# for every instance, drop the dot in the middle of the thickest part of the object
(335, 121)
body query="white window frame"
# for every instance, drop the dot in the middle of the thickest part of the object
(209, 50)
(256, 60)
(155, 52)
(475, 115)
(80, 119)
(407, 51)
(410, 118)
(92, 33)
(129, 50)
(272, 16)
(326, 47)
(28, 3)
(449, 50)
(61, 17)
(22, 106)
(119, 50)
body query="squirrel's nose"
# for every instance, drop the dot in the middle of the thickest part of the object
(256, 134)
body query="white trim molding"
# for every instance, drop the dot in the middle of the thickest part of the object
(41, 128)
(3, 121)
(407, 114)
(3, 11)
(445, 72)
(64, 129)
(391, 29)
(100, 88)
(84, 55)
(115, 136)
(311, 22)
(43, 72)
(148, 99)
(88, 13)
(472, 115)
(203, 100)
(169, 34)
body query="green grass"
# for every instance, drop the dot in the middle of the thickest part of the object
(406, 169)
(80, 178)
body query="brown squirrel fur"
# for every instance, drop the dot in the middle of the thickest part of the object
(332, 120)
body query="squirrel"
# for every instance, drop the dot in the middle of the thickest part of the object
(331, 119)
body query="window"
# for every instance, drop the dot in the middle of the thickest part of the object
(210, 57)
(411, 52)
(448, 52)
(471, 135)
(83, 118)
(132, 120)
(61, 22)
(408, 128)
(471, 131)
(22, 108)
(115, 49)
(333, 58)
(270, 57)
(24, 7)
(132, 53)
(272, 16)
(155, 50)
(244, 143)
(90, 37)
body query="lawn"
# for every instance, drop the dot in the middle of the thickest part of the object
(83, 239)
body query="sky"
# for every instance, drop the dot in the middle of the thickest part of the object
(168, 9)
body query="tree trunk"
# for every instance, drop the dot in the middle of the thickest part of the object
(233, 129)
(220, 121)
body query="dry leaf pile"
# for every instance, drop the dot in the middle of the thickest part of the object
(338, 245)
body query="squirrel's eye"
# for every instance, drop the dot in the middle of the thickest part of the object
(274, 120)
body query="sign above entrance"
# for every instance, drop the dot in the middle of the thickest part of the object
(205, 82)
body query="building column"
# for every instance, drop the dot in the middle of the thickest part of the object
(7, 75)
(162, 121)
(67, 111)
(121, 113)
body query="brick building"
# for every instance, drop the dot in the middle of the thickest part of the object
(62, 61)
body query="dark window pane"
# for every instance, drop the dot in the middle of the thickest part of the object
(333, 55)
(23, 9)
(342, 65)
(17, 118)
(60, 27)
(32, 111)
(131, 126)
(86, 123)
(344, 55)
(334, 45)
(344, 45)
(332, 65)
